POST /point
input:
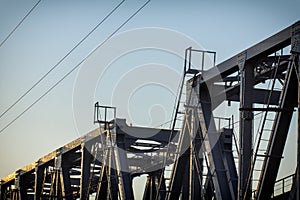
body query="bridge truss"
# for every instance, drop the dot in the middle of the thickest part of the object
(199, 157)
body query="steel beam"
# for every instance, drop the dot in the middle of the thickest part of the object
(124, 176)
(2, 190)
(295, 50)
(246, 124)
(66, 183)
(264, 48)
(55, 191)
(113, 187)
(86, 160)
(233, 94)
(226, 140)
(211, 144)
(21, 185)
(39, 180)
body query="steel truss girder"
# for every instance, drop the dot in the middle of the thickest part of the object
(72, 171)
(253, 56)
(263, 49)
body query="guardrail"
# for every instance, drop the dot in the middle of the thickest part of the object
(283, 185)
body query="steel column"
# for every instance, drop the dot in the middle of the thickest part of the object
(56, 192)
(39, 179)
(212, 145)
(1, 190)
(66, 183)
(21, 186)
(295, 49)
(246, 124)
(124, 176)
(298, 142)
(112, 177)
(86, 160)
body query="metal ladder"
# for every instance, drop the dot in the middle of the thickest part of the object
(107, 141)
(264, 135)
(181, 102)
(178, 113)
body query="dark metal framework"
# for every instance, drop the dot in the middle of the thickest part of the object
(198, 151)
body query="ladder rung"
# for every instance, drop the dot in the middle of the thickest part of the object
(262, 155)
(272, 120)
(262, 149)
(269, 156)
(267, 130)
(264, 140)
(255, 180)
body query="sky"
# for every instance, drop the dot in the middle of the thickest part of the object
(54, 27)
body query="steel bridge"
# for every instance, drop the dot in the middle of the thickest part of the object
(199, 157)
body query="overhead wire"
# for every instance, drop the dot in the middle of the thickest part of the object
(74, 68)
(62, 59)
(19, 24)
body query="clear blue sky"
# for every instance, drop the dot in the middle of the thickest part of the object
(55, 26)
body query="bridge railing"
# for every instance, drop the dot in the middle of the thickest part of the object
(283, 185)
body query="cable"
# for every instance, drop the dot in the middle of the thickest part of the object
(19, 24)
(74, 68)
(62, 59)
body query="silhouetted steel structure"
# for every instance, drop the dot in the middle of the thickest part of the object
(196, 158)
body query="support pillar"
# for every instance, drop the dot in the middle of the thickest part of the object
(298, 139)
(55, 191)
(39, 179)
(20, 185)
(246, 124)
(86, 160)
(66, 183)
(122, 168)
(1, 190)
(295, 50)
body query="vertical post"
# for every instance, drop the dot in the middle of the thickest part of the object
(298, 145)
(282, 186)
(191, 169)
(295, 50)
(246, 123)
(86, 159)
(21, 185)
(39, 180)
(66, 182)
(1, 190)
(298, 135)
(56, 184)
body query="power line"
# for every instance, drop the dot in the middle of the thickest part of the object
(63, 58)
(19, 24)
(74, 68)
